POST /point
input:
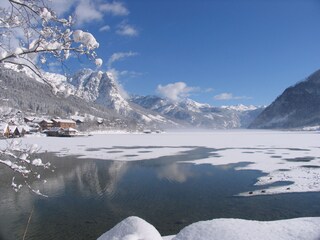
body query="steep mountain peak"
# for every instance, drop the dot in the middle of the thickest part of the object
(195, 105)
(100, 87)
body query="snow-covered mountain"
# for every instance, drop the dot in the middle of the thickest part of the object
(99, 90)
(100, 87)
(298, 106)
(87, 93)
(194, 114)
(241, 107)
(23, 95)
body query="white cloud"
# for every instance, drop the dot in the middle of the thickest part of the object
(89, 10)
(207, 90)
(229, 96)
(86, 11)
(125, 29)
(114, 8)
(130, 74)
(175, 91)
(119, 56)
(105, 28)
(62, 6)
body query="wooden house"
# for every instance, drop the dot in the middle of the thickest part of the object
(53, 132)
(64, 123)
(61, 132)
(23, 130)
(4, 130)
(28, 119)
(78, 119)
(69, 132)
(14, 131)
(46, 124)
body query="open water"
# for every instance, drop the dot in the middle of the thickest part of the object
(87, 197)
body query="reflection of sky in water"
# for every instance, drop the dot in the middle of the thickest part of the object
(87, 197)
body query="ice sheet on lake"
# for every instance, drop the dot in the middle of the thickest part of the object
(283, 156)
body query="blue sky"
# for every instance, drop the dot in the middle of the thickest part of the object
(221, 52)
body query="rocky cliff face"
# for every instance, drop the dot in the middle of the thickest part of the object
(298, 106)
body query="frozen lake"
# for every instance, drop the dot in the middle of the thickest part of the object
(170, 179)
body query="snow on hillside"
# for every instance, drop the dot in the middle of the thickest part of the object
(20, 69)
(135, 228)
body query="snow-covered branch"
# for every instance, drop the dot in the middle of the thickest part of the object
(29, 29)
(25, 167)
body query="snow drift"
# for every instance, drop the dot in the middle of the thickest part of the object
(135, 228)
(132, 228)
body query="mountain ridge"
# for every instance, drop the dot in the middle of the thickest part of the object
(100, 90)
(297, 107)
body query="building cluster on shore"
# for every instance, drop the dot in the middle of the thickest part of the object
(51, 127)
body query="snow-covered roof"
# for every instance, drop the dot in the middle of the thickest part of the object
(29, 118)
(47, 121)
(63, 120)
(37, 120)
(70, 129)
(12, 128)
(78, 118)
(21, 128)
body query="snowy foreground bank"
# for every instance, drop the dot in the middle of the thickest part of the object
(291, 157)
(134, 228)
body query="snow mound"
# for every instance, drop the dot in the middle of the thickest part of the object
(132, 228)
(135, 228)
(238, 229)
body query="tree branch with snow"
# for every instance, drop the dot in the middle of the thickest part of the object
(31, 33)
(24, 166)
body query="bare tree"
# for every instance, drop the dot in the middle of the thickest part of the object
(32, 34)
